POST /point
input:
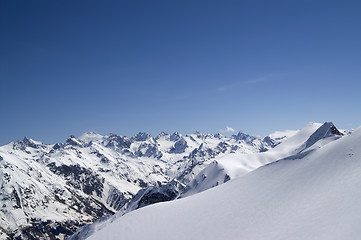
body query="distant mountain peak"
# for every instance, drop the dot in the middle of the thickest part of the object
(176, 136)
(218, 135)
(73, 141)
(162, 134)
(26, 142)
(179, 146)
(245, 137)
(30, 142)
(141, 136)
(116, 142)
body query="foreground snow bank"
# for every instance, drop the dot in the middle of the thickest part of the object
(313, 196)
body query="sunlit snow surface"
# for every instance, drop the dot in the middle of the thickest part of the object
(308, 196)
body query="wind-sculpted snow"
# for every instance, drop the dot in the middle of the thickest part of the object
(48, 191)
(314, 196)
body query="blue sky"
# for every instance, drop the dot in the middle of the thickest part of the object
(68, 67)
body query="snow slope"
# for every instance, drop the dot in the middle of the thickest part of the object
(303, 141)
(304, 197)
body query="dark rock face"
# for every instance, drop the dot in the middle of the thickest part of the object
(148, 150)
(325, 131)
(116, 199)
(156, 194)
(25, 143)
(335, 131)
(175, 137)
(179, 147)
(116, 142)
(88, 204)
(203, 151)
(156, 198)
(45, 230)
(30, 143)
(271, 142)
(140, 137)
(245, 137)
(218, 135)
(226, 178)
(222, 147)
(16, 198)
(57, 146)
(72, 141)
(80, 178)
(162, 134)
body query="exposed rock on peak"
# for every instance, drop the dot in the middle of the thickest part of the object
(175, 136)
(58, 146)
(148, 150)
(117, 142)
(271, 142)
(179, 147)
(26, 142)
(141, 136)
(218, 135)
(328, 129)
(245, 137)
(73, 141)
(162, 134)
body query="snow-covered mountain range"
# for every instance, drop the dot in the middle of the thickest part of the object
(49, 191)
(314, 193)
(93, 186)
(306, 187)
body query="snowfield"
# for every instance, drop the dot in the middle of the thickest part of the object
(313, 194)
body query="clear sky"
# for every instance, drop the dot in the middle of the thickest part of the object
(69, 67)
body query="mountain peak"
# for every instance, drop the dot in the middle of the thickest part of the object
(162, 134)
(328, 129)
(73, 141)
(175, 136)
(244, 137)
(218, 135)
(198, 134)
(333, 129)
(27, 142)
(141, 136)
(115, 142)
